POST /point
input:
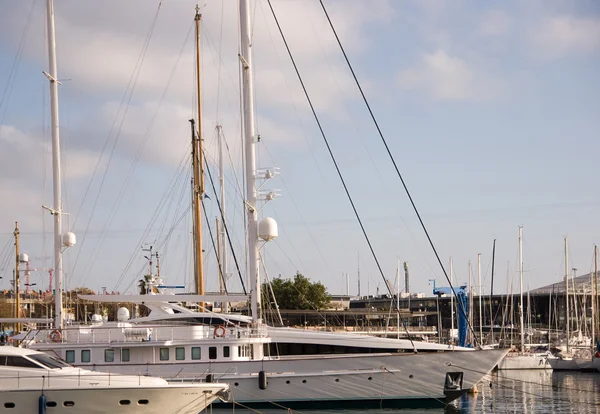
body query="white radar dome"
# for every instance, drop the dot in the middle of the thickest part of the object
(123, 314)
(96, 318)
(69, 239)
(267, 229)
(23, 258)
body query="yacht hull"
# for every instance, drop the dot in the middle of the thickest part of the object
(391, 380)
(514, 362)
(181, 400)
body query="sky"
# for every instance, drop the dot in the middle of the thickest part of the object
(491, 111)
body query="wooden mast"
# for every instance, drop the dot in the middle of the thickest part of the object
(198, 173)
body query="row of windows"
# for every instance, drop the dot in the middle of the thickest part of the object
(164, 354)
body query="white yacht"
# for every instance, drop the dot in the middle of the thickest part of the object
(264, 365)
(32, 381)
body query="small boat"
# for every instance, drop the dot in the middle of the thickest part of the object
(32, 381)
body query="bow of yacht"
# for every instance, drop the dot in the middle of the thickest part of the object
(32, 381)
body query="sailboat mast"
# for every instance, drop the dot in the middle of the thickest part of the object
(221, 229)
(56, 168)
(567, 289)
(198, 172)
(480, 298)
(595, 299)
(249, 139)
(521, 288)
(451, 305)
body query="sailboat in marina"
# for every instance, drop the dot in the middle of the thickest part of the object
(266, 366)
(524, 358)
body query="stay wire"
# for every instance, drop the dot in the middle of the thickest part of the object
(212, 184)
(462, 309)
(339, 173)
(212, 239)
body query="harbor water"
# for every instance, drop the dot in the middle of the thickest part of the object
(533, 391)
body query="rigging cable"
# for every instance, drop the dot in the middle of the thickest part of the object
(212, 239)
(341, 177)
(462, 309)
(212, 184)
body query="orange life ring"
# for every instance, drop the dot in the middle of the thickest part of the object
(55, 336)
(219, 331)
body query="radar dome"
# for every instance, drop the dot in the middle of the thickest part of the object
(96, 318)
(267, 229)
(23, 258)
(123, 314)
(69, 239)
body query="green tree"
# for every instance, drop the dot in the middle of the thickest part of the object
(296, 293)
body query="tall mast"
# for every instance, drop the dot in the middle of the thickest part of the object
(221, 229)
(521, 287)
(198, 172)
(470, 302)
(480, 298)
(567, 288)
(451, 304)
(595, 299)
(16, 280)
(249, 139)
(56, 173)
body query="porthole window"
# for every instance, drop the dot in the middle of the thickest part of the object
(51, 404)
(69, 404)
(143, 402)
(9, 405)
(287, 382)
(196, 352)
(70, 356)
(337, 380)
(370, 378)
(303, 381)
(109, 355)
(236, 384)
(124, 402)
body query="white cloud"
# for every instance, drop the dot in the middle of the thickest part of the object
(448, 78)
(559, 36)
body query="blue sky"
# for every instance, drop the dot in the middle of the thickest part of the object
(490, 109)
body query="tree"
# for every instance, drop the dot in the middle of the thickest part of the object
(296, 293)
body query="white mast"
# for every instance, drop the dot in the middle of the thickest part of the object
(521, 282)
(56, 174)
(567, 288)
(222, 203)
(451, 304)
(480, 298)
(249, 139)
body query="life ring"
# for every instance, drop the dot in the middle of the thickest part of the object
(55, 336)
(219, 331)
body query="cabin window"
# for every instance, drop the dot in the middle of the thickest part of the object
(85, 355)
(109, 355)
(70, 356)
(17, 361)
(125, 355)
(212, 352)
(225, 352)
(196, 352)
(180, 354)
(9, 405)
(164, 354)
